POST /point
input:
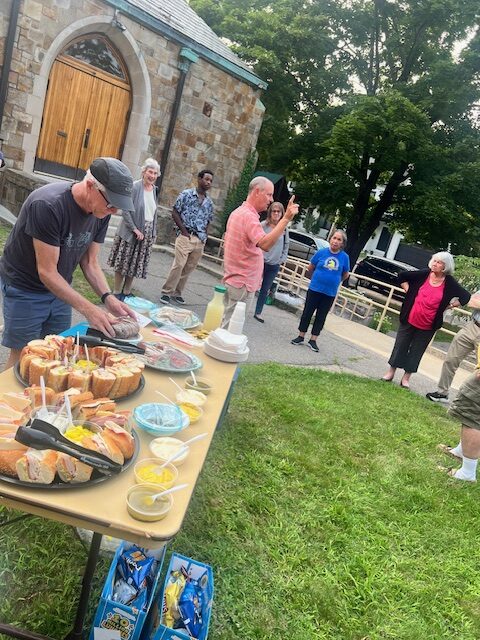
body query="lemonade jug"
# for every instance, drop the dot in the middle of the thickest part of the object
(215, 309)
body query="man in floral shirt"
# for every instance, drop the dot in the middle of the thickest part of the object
(192, 213)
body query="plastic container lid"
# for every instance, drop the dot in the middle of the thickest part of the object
(220, 288)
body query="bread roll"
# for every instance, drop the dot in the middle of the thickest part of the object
(37, 466)
(72, 470)
(124, 441)
(102, 382)
(79, 379)
(43, 349)
(24, 366)
(58, 378)
(35, 394)
(103, 444)
(125, 328)
(122, 383)
(10, 452)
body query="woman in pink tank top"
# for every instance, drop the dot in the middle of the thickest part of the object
(428, 293)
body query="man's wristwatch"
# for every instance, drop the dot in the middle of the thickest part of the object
(104, 296)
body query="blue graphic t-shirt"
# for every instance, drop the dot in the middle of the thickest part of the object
(49, 214)
(329, 268)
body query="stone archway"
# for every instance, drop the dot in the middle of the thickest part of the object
(137, 138)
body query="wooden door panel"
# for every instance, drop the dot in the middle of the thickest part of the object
(66, 109)
(85, 116)
(106, 121)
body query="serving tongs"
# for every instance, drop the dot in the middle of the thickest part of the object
(96, 338)
(43, 435)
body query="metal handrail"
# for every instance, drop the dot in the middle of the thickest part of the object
(292, 278)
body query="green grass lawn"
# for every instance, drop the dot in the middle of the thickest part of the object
(321, 511)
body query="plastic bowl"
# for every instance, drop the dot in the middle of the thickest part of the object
(203, 384)
(146, 471)
(159, 419)
(164, 447)
(192, 411)
(190, 396)
(55, 415)
(140, 510)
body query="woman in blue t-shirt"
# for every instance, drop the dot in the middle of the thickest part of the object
(328, 268)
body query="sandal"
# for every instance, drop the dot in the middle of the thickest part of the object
(444, 448)
(451, 471)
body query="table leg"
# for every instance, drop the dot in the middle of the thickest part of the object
(77, 632)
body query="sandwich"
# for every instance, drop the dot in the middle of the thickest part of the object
(124, 440)
(79, 379)
(24, 366)
(123, 382)
(86, 410)
(37, 466)
(72, 470)
(43, 349)
(59, 398)
(35, 394)
(10, 452)
(9, 415)
(17, 400)
(58, 378)
(120, 418)
(103, 443)
(102, 382)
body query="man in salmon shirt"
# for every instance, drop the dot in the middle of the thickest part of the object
(245, 241)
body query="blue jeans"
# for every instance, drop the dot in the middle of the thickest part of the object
(29, 315)
(269, 273)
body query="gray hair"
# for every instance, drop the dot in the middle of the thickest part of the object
(260, 182)
(343, 234)
(98, 185)
(151, 163)
(447, 260)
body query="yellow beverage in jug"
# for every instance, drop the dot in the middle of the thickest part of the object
(215, 309)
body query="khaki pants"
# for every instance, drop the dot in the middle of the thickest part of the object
(466, 341)
(188, 252)
(232, 296)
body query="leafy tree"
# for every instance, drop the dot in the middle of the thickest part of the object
(368, 108)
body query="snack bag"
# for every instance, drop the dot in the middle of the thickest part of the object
(190, 607)
(171, 596)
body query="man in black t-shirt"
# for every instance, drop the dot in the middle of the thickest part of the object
(59, 227)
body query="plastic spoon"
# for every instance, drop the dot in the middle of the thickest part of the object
(194, 378)
(43, 411)
(194, 439)
(148, 501)
(177, 385)
(68, 408)
(165, 397)
(173, 457)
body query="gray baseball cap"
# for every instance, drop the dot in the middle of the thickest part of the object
(117, 180)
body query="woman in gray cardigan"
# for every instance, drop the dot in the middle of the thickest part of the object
(132, 245)
(272, 258)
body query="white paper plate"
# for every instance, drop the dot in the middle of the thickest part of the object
(225, 356)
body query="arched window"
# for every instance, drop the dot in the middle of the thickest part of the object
(97, 52)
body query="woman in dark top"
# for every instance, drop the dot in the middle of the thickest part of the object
(428, 293)
(132, 245)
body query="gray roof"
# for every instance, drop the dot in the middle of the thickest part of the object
(178, 15)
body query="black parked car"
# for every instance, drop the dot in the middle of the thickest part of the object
(381, 269)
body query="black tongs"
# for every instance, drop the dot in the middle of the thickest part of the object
(43, 435)
(96, 338)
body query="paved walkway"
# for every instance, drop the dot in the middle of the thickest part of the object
(345, 346)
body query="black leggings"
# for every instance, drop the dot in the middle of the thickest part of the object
(320, 303)
(409, 347)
